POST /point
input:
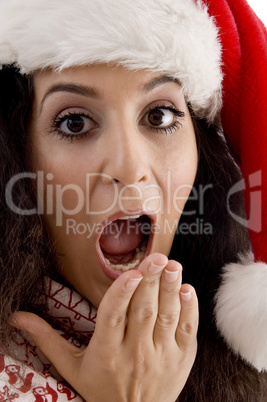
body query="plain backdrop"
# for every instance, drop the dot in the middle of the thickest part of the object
(260, 7)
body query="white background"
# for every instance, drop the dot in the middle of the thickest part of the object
(260, 7)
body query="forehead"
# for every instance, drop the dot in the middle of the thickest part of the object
(96, 79)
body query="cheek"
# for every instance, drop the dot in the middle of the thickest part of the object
(63, 172)
(177, 179)
(181, 173)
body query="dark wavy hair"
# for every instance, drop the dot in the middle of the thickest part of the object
(24, 247)
(26, 254)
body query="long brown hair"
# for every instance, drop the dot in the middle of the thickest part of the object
(218, 374)
(24, 246)
(26, 255)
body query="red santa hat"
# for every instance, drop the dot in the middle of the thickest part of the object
(244, 62)
(241, 301)
(217, 50)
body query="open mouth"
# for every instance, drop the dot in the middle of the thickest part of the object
(124, 243)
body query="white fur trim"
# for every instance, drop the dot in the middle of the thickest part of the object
(241, 310)
(177, 38)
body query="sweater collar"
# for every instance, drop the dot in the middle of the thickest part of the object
(69, 312)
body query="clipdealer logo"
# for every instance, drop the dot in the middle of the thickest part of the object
(50, 198)
(254, 220)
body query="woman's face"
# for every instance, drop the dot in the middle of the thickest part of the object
(116, 156)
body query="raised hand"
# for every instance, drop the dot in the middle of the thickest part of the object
(144, 343)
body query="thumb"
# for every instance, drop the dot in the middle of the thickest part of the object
(58, 350)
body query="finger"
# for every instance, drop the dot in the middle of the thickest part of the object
(143, 307)
(188, 322)
(62, 354)
(112, 311)
(169, 303)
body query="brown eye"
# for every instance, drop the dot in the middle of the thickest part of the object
(75, 124)
(160, 117)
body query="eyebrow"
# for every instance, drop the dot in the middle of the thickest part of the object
(78, 89)
(91, 92)
(155, 82)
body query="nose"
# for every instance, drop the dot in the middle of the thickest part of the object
(126, 155)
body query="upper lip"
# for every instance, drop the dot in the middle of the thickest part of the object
(120, 214)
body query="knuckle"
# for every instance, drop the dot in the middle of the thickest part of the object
(167, 319)
(109, 365)
(151, 281)
(114, 320)
(144, 314)
(188, 328)
(187, 336)
(171, 288)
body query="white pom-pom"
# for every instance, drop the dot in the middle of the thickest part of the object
(241, 310)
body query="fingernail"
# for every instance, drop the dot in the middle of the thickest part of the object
(171, 276)
(133, 283)
(155, 269)
(186, 296)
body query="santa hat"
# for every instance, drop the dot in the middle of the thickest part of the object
(241, 301)
(218, 53)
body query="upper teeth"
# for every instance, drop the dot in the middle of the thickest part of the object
(124, 218)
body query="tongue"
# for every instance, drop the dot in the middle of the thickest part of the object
(121, 237)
